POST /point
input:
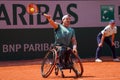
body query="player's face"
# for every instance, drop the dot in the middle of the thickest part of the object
(113, 24)
(66, 21)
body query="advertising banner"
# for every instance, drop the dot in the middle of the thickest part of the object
(13, 14)
(25, 36)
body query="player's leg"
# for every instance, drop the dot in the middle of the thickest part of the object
(61, 59)
(99, 49)
(112, 47)
(61, 52)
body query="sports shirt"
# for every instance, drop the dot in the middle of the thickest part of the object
(109, 31)
(63, 35)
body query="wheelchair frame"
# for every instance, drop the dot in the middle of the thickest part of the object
(50, 61)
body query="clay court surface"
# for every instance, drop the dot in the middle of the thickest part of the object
(30, 70)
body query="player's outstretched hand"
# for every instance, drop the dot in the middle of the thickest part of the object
(47, 16)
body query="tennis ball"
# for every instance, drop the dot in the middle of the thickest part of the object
(32, 9)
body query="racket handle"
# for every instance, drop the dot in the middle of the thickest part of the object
(43, 14)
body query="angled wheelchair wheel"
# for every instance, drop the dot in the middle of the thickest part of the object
(48, 63)
(77, 64)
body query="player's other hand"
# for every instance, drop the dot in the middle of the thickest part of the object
(74, 50)
(113, 43)
(100, 44)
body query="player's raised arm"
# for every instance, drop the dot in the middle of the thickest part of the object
(55, 26)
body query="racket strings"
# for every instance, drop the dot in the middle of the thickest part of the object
(32, 9)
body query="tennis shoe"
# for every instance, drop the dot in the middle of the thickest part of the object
(98, 60)
(116, 60)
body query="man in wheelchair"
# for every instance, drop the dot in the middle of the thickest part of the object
(64, 34)
(64, 37)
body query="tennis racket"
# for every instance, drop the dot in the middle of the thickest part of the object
(32, 9)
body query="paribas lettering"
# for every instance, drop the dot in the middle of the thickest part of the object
(20, 16)
(37, 47)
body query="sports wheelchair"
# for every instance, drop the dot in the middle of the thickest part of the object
(53, 60)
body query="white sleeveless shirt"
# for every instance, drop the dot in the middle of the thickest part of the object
(109, 31)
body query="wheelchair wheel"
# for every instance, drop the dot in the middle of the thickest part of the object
(77, 64)
(48, 63)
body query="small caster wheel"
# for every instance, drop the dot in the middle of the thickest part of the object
(56, 71)
(62, 75)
